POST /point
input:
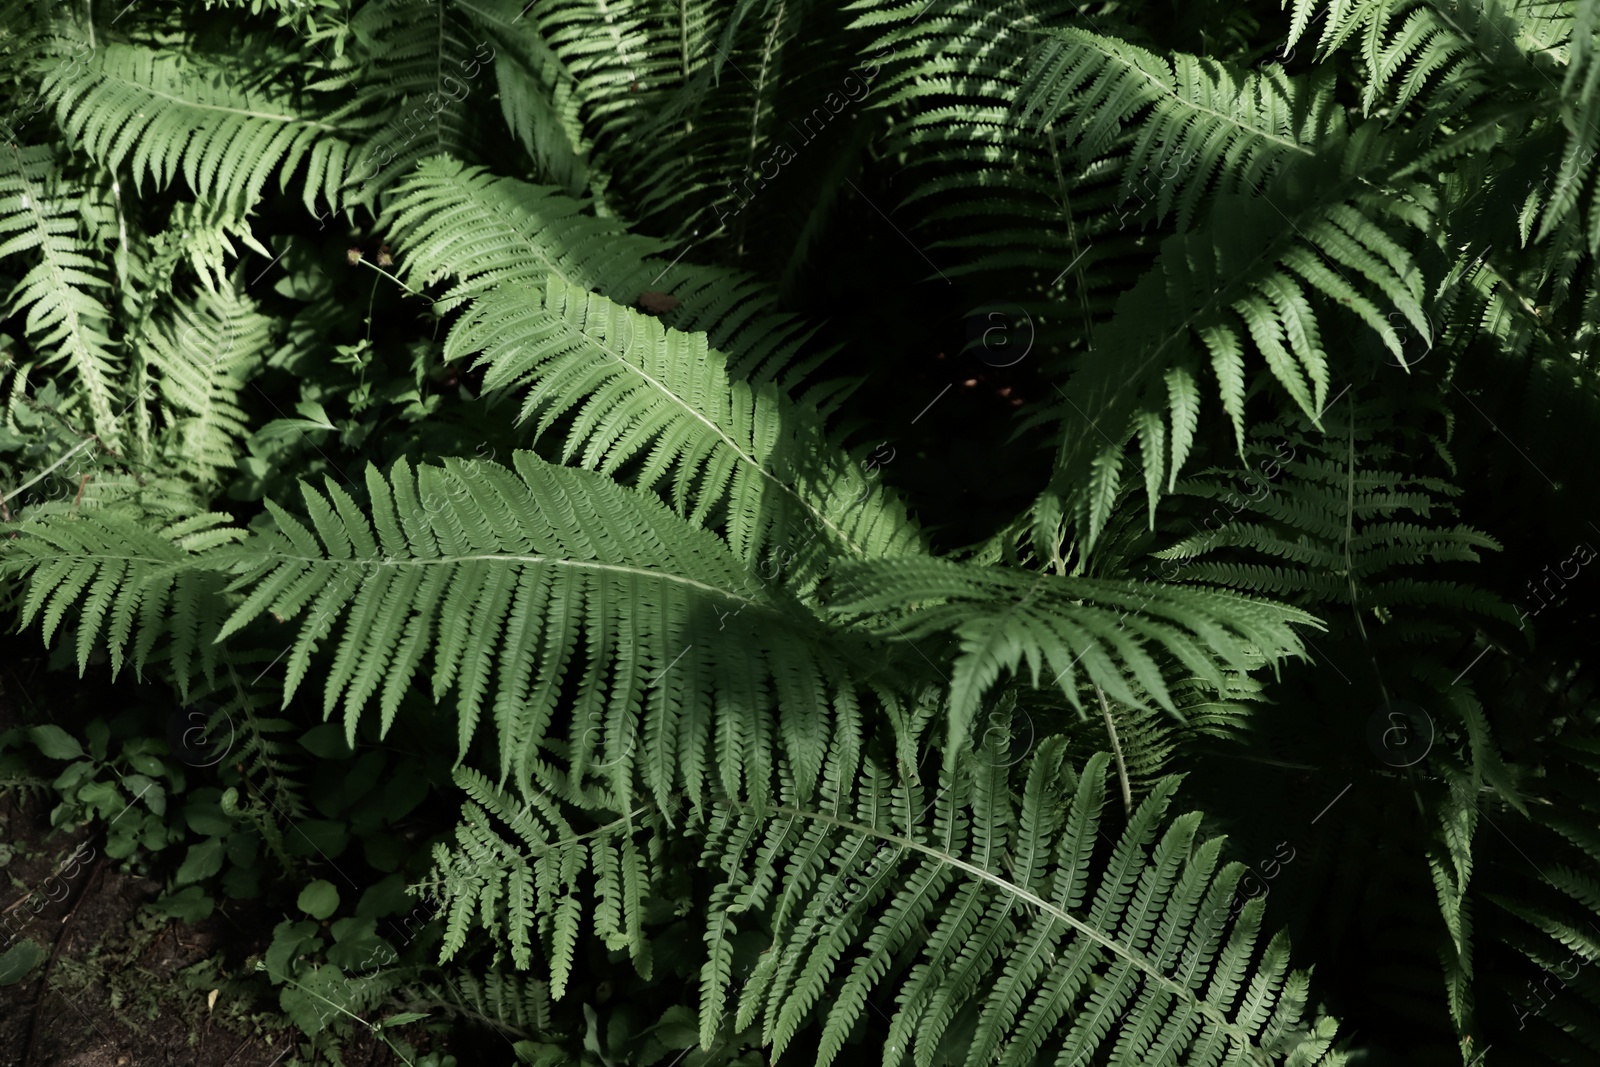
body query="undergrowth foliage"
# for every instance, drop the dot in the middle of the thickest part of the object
(491, 389)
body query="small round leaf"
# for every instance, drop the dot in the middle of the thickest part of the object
(319, 899)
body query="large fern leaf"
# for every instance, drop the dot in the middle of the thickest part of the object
(972, 903)
(1198, 121)
(165, 113)
(556, 585)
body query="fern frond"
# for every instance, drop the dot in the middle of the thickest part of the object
(1028, 930)
(536, 884)
(743, 458)
(521, 233)
(420, 77)
(1455, 52)
(65, 317)
(1000, 201)
(203, 355)
(1135, 956)
(1003, 617)
(526, 590)
(163, 113)
(1548, 913)
(1242, 283)
(1310, 529)
(130, 586)
(1199, 122)
(508, 1002)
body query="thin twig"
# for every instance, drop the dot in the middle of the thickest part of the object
(55, 950)
(234, 1055)
(362, 262)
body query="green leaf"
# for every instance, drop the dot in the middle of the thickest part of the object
(204, 814)
(326, 741)
(203, 861)
(55, 742)
(387, 897)
(319, 899)
(18, 960)
(98, 733)
(103, 797)
(144, 791)
(289, 940)
(145, 763)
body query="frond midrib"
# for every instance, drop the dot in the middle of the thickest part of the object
(497, 557)
(190, 102)
(1172, 94)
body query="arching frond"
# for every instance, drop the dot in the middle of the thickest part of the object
(1244, 283)
(525, 590)
(1031, 931)
(520, 233)
(128, 586)
(1198, 122)
(1003, 617)
(164, 113)
(555, 599)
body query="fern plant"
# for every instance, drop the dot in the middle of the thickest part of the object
(978, 903)
(523, 375)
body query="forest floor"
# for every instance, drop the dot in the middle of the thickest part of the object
(119, 985)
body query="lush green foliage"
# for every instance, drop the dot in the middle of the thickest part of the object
(707, 729)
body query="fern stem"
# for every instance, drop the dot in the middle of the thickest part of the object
(1072, 234)
(1116, 750)
(372, 298)
(494, 557)
(394, 278)
(1349, 565)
